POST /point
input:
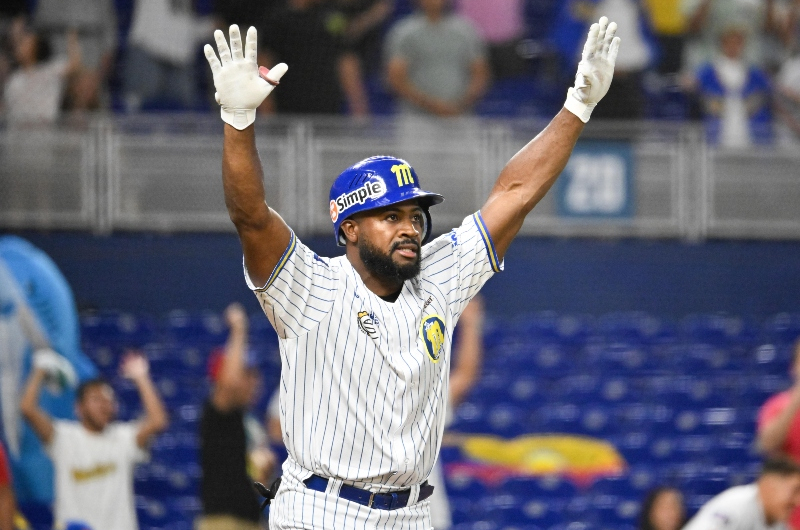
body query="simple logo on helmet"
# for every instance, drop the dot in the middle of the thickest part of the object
(432, 334)
(403, 174)
(370, 190)
(367, 323)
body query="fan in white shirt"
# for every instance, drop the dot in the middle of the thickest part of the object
(763, 505)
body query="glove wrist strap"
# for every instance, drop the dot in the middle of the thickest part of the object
(577, 107)
(238, 118)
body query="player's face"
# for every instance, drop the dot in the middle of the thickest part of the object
(98, 407)
(390, 240)
(780, 496)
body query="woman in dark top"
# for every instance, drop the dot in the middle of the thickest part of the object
(229, 500)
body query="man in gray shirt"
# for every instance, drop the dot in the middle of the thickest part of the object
(436, 62)
(763, 505)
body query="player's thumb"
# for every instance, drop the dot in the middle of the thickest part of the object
(273, 76)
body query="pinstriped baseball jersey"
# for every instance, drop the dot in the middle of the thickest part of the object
(364, 381)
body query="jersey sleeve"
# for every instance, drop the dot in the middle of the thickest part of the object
(299, 292)
(460, 262)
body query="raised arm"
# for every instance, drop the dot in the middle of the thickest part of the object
(136, 368)
(533, 170)
(230, 389)
(241, 87)
(39, 420)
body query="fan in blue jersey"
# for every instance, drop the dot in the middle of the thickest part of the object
(365, 338)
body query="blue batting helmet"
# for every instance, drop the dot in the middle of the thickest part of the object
(377, 182)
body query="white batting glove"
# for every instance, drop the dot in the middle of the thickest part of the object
(59, 370)
(240, 86)
(595, 69)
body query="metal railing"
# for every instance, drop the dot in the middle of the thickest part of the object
(162, 173)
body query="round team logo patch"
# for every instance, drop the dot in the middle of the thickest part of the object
(334, 211)
(432, 334)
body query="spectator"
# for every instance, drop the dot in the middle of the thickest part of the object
(34, 90)
(787, 102)
(363, 30)
(12, 15)
(245, 13)
(94, 458)
(663, 509)
(669, 26)
(436, 62)
(325, 75)
(8, 506)
(162, 48)
(706, 20)
(501, 24)
(763, 504)
(625, 98)
(226, 453)
(95, 22)
(735, 95)
(779, 423)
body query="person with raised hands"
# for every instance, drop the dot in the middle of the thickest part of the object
(366, 338)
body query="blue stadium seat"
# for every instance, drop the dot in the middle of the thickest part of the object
(526, 390)
(719, 329)
(770, 358)
(597, 420)
(507, 511)
(206, 328)
(615, 510)
(113, 328)
(470, 417)
(783, 328)
(507, 420)
(635, 327)
(634, 446)
(546, 487)
(465, 486)
(619, 486)
(550, 327)
(558, 417)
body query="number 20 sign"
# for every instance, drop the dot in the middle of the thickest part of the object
(597, 182)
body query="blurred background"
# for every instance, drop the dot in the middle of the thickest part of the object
(650, 304)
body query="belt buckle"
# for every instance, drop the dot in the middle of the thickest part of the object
(371, 499)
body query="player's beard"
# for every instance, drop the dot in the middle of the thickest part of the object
(383, 266)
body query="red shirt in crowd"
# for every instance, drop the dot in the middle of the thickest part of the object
(5, 474)
(791, 447)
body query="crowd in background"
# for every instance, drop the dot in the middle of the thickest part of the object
(732, 63)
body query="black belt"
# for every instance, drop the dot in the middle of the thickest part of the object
(376, 501)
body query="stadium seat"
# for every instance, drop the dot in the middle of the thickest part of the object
(783, 328)
(547, 487)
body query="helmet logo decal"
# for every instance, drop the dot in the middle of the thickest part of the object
(403, 174)
(370, 190)
(334, 211)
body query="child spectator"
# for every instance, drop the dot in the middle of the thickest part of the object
(735, 95)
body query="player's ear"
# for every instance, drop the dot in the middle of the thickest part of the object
(350, 230)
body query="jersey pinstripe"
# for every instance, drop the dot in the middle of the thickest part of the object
(364, 381)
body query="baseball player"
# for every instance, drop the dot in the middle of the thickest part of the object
(365, 338)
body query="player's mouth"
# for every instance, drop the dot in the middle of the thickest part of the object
(408, 249)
